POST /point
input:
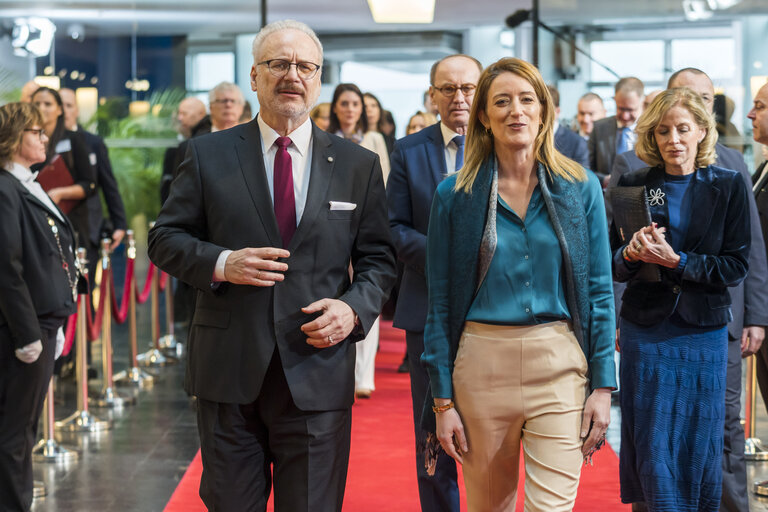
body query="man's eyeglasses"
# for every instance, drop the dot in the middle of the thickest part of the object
(39, 131)
(449, 91)
(225, 101)
(280, 68)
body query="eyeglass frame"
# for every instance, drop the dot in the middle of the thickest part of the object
(226, 101)
(462, 87)
(40, 132)
(269, 62)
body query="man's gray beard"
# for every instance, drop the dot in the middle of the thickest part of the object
(290, 111)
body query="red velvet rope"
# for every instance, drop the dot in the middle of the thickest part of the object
(120, 314)
(163, 280)
(142, 297)
(69, 336)
(95, 323)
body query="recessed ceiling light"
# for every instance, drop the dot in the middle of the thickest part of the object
(402, 11)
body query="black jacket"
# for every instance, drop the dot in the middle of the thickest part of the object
(33, 285)
(717, 246)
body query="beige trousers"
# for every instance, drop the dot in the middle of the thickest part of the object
(513, 384)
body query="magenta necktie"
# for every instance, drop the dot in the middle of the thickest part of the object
(285, 203)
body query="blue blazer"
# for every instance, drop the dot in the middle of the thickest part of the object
(716, 247)
(570, 144)
(417, 167)
(749, 299)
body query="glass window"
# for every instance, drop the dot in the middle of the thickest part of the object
(716, 57)
(643, 59)
(206, 70)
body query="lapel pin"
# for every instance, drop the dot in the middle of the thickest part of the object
(330, 159)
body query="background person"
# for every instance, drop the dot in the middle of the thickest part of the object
(37, 279)
(419, 121)
(419, 163)
(376, 121)
(501, 298)
(191, 120)
(674, 340)
(321, 115)
(226, 104)
(589, 109)
(568, 142)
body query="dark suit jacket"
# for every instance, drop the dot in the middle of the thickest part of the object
(174, 156)
(716, 244)
(570, 144)
(417, 167)
(33, 285)
(749, 298)
(602, 146)
(220, 200)
(106, 182)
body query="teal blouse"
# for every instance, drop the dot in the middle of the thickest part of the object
(523, 285)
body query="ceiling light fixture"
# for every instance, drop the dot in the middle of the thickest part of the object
(32, 36)
(402, 11)
(696, 10)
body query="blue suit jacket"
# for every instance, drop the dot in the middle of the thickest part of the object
(749, 300)
(570, 144)
(417, 167)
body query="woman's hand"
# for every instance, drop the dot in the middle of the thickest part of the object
(650, 245)
(450, 433)
(56, 195)
(597, 417)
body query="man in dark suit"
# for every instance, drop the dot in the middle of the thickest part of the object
(759, 117)
(616, 134)
(105, 181)
(749, 302)
(419, 163)
(589, 109)
(265, 219)
(191, 121)
(567, 141)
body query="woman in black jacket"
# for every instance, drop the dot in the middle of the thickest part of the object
(37, 292)
(72, 149)
(673, 335)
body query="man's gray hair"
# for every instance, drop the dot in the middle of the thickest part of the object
(222, 87)
(277, 26)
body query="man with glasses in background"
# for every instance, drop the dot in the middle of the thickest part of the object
(264, 219)
(226, 106)
(419, 162)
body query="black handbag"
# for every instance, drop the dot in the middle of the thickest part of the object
(630, 214)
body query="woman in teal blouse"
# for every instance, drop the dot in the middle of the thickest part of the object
(520, 330)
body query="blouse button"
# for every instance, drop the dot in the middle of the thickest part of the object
(527, 310)
(526, 256)
(527, 283)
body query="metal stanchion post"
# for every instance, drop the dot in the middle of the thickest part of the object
(154, 357)
(47, 449)
(38, 489)
(82, 420)
(108, 396)
(169, 341)
(133, 375)
(753, 448)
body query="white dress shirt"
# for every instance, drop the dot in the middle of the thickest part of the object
(301, 163)
(450, 148)
(27, 178)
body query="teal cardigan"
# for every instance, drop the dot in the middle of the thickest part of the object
(456, 230)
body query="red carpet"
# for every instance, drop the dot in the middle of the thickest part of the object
(382, 473)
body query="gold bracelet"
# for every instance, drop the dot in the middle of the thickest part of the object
(625, 256)
(442, 408)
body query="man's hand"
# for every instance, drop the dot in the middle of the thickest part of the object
(333, 326)
(117, 237)
(597, 414)
(29, 353)
(256, 266)
(751, 340)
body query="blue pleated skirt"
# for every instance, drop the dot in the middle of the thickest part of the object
(672, 414)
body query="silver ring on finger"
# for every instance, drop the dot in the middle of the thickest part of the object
(258, 274)
(330, 339)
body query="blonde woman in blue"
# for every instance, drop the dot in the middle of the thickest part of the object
(519, 338)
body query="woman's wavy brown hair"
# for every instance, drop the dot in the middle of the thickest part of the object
(14, 119)
(480, 141)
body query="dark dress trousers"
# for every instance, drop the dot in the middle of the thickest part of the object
(749, 305)
(417, 167)
(602, 147)
(278, 399)
(570, 144)
(35, 299)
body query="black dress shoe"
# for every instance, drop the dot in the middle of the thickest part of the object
(405, 366)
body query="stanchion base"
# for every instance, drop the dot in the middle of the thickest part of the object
(83, 421)
(134, 376)
(155, 358)
(38, 489)
(110, 398)
(754, 450)
(760, 488)
(167, 342)
(48, 450)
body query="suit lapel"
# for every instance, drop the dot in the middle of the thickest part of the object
(706, 192)
(436, 153)
(321, 170)
(29, 196)
(251, 160)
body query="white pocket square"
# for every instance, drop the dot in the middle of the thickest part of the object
(341, 205)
